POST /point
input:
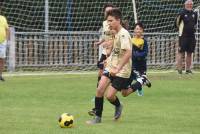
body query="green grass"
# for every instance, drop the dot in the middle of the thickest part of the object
(32, 105)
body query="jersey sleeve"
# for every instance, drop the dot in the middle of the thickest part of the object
(179, 18)
(5, 23)
(125, 41)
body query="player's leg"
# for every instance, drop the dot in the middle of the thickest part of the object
(190, 49)
(188, 63)
(139, 73)
(181, 51)
(141, 81)
(179, 62)
(114, 100)
(93, 111)
(128, 90)
(1, 69)
(140, 67)
(118, 83)
(103, 83)
(140, 91)
(2, 57)
(100, 65)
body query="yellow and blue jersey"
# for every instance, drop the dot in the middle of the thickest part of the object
(139, 54)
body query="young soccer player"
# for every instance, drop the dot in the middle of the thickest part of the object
(105, 37)
(139, 54)
(4, 35)
(117, 71)
(105, 40)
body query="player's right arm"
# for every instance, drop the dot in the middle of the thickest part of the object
(178, 20)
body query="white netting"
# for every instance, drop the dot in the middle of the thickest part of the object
(61, 33)
(159, 15)
(62, 15)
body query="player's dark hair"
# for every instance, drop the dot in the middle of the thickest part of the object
(125, 24)
(108, 5)
(139, 24)
(115, 12)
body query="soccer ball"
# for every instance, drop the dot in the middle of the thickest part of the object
(66, 120)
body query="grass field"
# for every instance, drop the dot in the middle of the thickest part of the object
(32, 105)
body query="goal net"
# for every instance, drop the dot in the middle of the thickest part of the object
(60, 34)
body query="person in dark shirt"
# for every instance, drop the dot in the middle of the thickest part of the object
(139, 54)
(185, 23)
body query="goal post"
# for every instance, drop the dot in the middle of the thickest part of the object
(11, 50)
(134, 11)
(196, 55)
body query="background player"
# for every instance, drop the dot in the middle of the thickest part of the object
(118, 69)
(4, 36)
(185, 23)
(139, 54)
(105, 40)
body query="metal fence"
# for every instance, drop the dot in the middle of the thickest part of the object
(75, 50)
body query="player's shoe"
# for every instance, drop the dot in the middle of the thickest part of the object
(92, 112)
(96, 120)
(188, 72)
(179, 71)
(118, 112)
(144, 81)
(1, 78)
(140, 92)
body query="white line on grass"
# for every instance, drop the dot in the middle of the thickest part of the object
(77, 72)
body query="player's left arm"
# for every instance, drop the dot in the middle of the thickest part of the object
(109, 47)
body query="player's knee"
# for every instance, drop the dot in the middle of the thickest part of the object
(100, 92)
(109, 97)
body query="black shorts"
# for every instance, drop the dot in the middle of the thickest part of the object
(118, 83)
(100, 63)
(187, 44)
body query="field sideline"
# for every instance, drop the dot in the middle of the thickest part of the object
(78, 72)
(32, 103)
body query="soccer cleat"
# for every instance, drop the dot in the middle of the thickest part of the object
(188, 72)
(140, 92)
(2, 79)
(92, 112)
(96, 120)
(146, 81)
(179, 71)
(118, 112)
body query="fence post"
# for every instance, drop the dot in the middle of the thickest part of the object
(11, 53)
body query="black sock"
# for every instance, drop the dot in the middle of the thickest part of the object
(99, 106)
(116, 102)
(136, 86)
